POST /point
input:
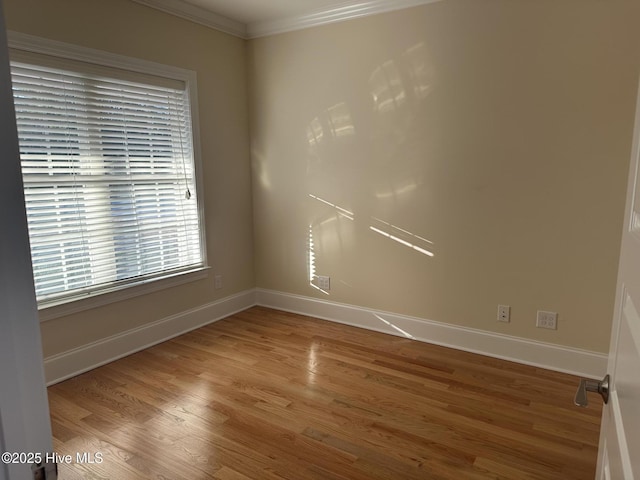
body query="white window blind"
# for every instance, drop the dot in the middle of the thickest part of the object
(109, 178)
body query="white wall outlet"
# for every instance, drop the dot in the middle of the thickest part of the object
(547, 320)
(323, 282)
(504, 313)
(217, 280)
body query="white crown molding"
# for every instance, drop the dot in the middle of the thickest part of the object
(339, 13)
(198, 15)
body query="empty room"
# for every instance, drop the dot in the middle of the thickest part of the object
(320, 239)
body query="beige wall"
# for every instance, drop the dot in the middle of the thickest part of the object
(497, 131)
(123, 27)
(494, 134)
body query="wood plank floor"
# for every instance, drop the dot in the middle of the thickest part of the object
(272, 395)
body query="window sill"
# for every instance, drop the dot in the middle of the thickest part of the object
(71, 306)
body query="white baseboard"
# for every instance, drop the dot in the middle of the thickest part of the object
(529, 352)
(79, 360)
(545, 355)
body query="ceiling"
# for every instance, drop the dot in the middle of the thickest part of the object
(256, 18)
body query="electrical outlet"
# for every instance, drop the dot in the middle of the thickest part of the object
(217, 282)
(323, 282)
(547, 320)
(504, 313)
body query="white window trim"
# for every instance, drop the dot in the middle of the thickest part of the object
(53, 48)
(122, 292)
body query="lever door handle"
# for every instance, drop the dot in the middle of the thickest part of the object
(587, 385)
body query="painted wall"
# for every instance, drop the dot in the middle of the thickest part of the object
(434, 161)
(123, 27)
(440, 160)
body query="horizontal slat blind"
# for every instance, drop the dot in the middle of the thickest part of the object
(109, 180)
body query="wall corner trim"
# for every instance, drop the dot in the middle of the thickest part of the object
(529, 352)
(87, 357)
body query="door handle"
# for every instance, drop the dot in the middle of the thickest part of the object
(586, 385)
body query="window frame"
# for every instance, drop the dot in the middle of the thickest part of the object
(89, 300)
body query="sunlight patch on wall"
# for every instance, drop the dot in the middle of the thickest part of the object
(341, 211)
(340, 120)
(336, 121)
(392, 83)
(315, 132)
(312, 262)
(420, 71)
(386, 87)
(409, 186)
(260, 169)
(312, 256)
(402, 237)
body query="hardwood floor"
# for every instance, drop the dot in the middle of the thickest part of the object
(272, 395)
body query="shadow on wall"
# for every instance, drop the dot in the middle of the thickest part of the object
(366, 169)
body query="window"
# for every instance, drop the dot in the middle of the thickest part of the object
(109, 174)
